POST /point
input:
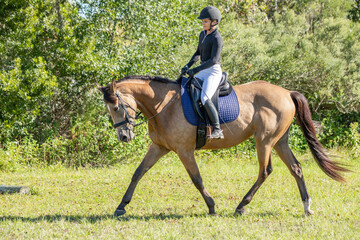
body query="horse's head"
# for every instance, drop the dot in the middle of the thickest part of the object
(122, 109)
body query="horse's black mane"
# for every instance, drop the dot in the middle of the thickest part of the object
(112, 99)
(147, 78)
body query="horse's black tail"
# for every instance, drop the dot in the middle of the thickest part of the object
(304, 120)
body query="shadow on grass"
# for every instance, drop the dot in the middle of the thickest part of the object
(160, 216)
(90, 218)
(267, 214)
(126, 218)
(262, 215)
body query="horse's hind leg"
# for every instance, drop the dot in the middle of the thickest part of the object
(286, 155)
(265, 168)
(154, 153)
(188, 159)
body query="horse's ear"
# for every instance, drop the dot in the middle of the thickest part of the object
(113, 87)
(100, 88)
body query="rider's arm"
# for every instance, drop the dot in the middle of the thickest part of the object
(194, 58)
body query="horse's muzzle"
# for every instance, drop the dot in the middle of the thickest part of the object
(125, 135)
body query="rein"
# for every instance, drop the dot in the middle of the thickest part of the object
(128, 117)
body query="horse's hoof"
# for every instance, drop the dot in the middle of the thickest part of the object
(214, 214)
(239, 212)
(309, 213)
(119, 212)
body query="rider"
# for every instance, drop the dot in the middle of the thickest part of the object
(208, 50)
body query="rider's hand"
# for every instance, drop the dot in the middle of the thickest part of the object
(184, 69)
(191, 72)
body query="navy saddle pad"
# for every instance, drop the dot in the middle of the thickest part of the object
(228, 106)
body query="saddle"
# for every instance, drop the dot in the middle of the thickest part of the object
(194, 88)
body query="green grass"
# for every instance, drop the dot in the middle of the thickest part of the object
(78, 204)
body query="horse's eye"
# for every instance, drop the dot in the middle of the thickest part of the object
(116, 108)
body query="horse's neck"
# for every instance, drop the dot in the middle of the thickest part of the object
(152, 97)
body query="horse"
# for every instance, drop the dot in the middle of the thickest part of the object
(266, 113)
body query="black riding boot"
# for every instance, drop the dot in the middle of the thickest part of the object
(214, 119)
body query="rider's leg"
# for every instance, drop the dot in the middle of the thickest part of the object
(212, 77)
(214, 119)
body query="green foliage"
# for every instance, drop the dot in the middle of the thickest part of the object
(18, 155)
(93, 144)
(52, 53)
(9, 159)
(43, 69)
(354, 12)
(24, 94)
(322, 65)
(354, 139)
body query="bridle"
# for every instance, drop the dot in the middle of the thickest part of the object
(130, 119)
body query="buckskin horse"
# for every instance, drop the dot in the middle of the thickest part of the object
(266, 113)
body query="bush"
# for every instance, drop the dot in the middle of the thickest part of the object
(53, 53)
(17, 155)
(321, 65)
(354, 139)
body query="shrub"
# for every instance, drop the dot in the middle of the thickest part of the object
(354, 139)
(53, 53)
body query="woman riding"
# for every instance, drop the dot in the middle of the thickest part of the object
(208, 50)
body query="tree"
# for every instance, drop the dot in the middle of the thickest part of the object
(354, 13)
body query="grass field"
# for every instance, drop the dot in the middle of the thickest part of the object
(78, 204)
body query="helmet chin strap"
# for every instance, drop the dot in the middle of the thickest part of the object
(212, 26)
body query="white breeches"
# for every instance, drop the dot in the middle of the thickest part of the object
(211, 77)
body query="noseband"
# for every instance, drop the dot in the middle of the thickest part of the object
(128, 118)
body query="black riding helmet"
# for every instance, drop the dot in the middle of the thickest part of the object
(210, 12)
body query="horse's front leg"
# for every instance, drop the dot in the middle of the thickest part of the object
(188, 159)
(154, 153)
